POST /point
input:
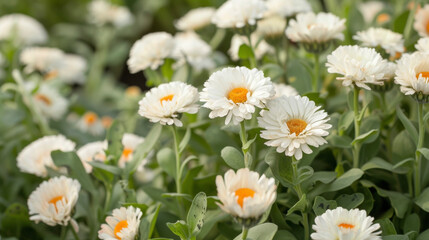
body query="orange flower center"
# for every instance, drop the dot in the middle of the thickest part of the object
(122, 224)
(43, 98)
(90, 118)
(106, 121)
(133, 91)
(243, 193)
(50, 75)
(346, 225)
(427, 27)
(238, 95)
(423, 74)
(382, 18)
(166, 98)
(54, 201)
(126, 153)
(296, 126)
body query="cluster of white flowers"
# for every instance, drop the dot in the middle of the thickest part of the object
(239, 13)
(22, 29)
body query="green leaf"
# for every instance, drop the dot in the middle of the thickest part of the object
(423, 200)
(298, 75)
(387, 226)
(400, 22)
(211, 220)
(167, 161)
(245, 52)
(412, 223)
(407, 124)
(232, 157)
(320, 176)
(265, 231)
(109, 168)
(14, 218)
(366, 137)
(320, 205)
(396, 237)
(339, 141)
(378, 163)
(196, 214)
(185, 140)
(345, 180)
(424, 235)
(284, 234)
(248, 143)
(424, 152)
(114, 140)
(180, 229)
(167, 68)
(350, 201)
(304, 173)
(281, 167)
(298, 206)
(345, 121)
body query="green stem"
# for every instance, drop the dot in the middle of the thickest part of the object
(245, 232)
(299, 192)
(243, 138)
(417, 164)
(217, 38)
(76, 237)
(108, 197)
(63, 232)
(357, 146)
(178, 172)
(316, 73)
(407, 29)
(252, 59)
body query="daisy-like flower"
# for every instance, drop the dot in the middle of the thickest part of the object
(423, 45)
(293, 124)
(284, 90)
(342, 224)
(93, 151)
(245, 195)
(358, 66)
(123, 224)
(412, 75)
(239, 13)
(390, 41)
(287, 8)
(164, 103)
(421, 23)
(235, 92)
(23, 29)
(53, 201)
(48, 100)
(261, 49)
(72, 69)
(43, 59)
(129, 142)
(195, 19)
(90, 123)
(370, 9)
(103, 12)
(36, 156)
(150, 51)
(271, 28)
(388, 78)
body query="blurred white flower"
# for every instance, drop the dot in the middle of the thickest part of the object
(164, 103)
(36, 156)
(412, 73)
(195, 19)
(390, 41)
(235, 92)
(43, 59)
(24, 30)
(341, 223)
(48, 100)
(271, 27)
(90, 123)
(72, 69)
(150, 51)
(292, 124)
(244, 194)
(123, 224)
(284, 90)
(261, 49)
(421, 21)
(93, 151)
(370, 9)
(53, 201)
(287, 8)
(358, 66)
(239, 13)
(102, 12)
(129, 142)
(423, 45)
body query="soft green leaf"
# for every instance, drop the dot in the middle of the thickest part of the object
(245, 52)
(339, 141)
(350, 201)
(281, 167)
(320, 205)
(345, 121)
(387, 226)
(114, 140)
(232, 157)
(412, 223)
(197, 212)
(424, 152)
(109, 168)
(211, 219)
(180, 228)
(185, 140)
(304, 173)
(347, 179)
(298, 206)
(249, 142)
(167, 68)
(14, 218)
(265, 231)
(284, 234)
(396, 237)
(167, 161)
(423, 200)
(407, 124)
(378, 163)
(366, 137)
(424, 235)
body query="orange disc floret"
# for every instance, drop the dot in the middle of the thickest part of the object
(238, 95)
(296, 126)
(243, 193)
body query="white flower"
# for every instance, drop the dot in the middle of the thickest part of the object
(43, 59)
(150, 51)
(190, 47)
(358, 65)
(390, 41)
(370, 9)
(423, 45)
(292, 124)
(90, 152)
(235, 92)
(239, 13)
(261, 49)
(244, 194)
(123, 224)
(90, 123)
(312, 28)
(53, 201)
(102, 12)
(412, 73)
(284, 90)
(129, 142)
(343, 224)
(287, 8)
(195, 19)
(272, 26)
(23, 29)
(48, 100)
(36, 156)
(164, 103)
(72, 69)
(421, 23)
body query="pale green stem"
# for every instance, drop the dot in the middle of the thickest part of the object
(63, 232)
(245, 232)
(76, 237)
(417, 164)
(299, 192)
(178, 172)
(217, 38)
(252, 60)
(243, 138)
(407, 29)
(316, 73)
(356, 147)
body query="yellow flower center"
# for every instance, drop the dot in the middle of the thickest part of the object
(382, 18)
(346, 225)
(126, 153)
(106, 121)
(133, 91)
(54, 201)
(243, 193)
(427, 27)
(238, 95)
(296, 126)
(43, 98)
(166, 98)
(50, 75)
(122, 224)
(90, 118)
(423, 74)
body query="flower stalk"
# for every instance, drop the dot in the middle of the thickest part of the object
(243, 138)
(357, 145)
(245, 232)
(298, 190)
(178, 172)
(417, 164)
(315, 83)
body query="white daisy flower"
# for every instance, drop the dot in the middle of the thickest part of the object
(129, 142)
(72, 69)
(43, 59)
(102, 12)
(390, 41)
(123, 224)
(261, 49)
(293, 124)
(235, 92)
(312, 28)
(271, 27)
(412, 73)
(423, 45)
(239, 13)
(36, 156)
(48, 100)
(421, 21)
(94, 151)
(284, 90)
(53, 201)
(370, 9)
(23, 29)
(358, 66)
(150, 51)
(245, 195)
(287, 8)
(344, 224)
(164, 103)
(195, 19)
(90, 123)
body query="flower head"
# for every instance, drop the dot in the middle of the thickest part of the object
(423, 45)
(48, 100)
(195, 19)
(370, 9)
(239, 13)
(90, 123)
(412, 73)
(164, 103)
(123, 224)
(72, 69)
(235, 92)
(390, 41)
(293, 124)
(103, 12)
(23, 29)
(287, 8)
(421, 23)
(53, 201)
(344, 224)
(93, 151)
(271, 27)
(190, 47)
(129, 142)
(284, 90)
(260, 50)
(43, 59)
